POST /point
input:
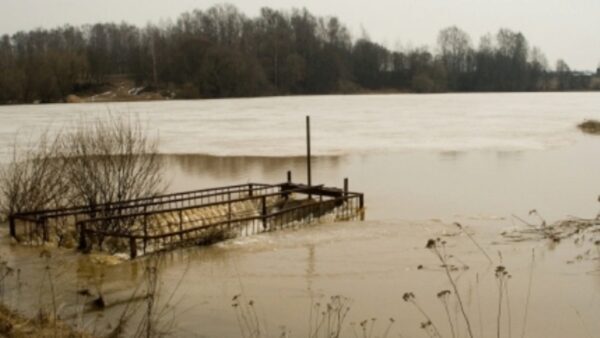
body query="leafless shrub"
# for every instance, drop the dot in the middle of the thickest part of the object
(112, 160)
(32, 179)
(329, 319)
(106, 160)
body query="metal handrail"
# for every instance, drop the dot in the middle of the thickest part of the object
(68, 211)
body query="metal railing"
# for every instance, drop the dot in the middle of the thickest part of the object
(139, 233)
(155, 223)
(38, 224)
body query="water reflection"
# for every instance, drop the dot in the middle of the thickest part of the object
(188, 171)
(423, 185)
(451, 155)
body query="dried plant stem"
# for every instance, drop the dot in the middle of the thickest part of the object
(435, 329)
(531, 267)
(387, 330)
(475, 242)
(479, 306)
(499, 316)
(449, 319)
(508, 312)
(456, 293)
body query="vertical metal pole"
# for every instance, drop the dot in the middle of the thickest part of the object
(12, 225)
(289, 176)
(308, 169)
(345, 186)
(362, 206)
(132, 247)
(44, 224)
(181, 225)
(228, 210)
(308, 151)
(264, 212)
(145, 230)
(82, 241)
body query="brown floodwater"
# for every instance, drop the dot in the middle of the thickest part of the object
(410, 197)
(423, 162)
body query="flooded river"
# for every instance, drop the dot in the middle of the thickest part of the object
(423, 162)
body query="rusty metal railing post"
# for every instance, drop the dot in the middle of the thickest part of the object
(345, 186)
(289, 176)
(43, 223)
(145, 229)
(181, 225)
(264, 211)
(250, 190)
(82, 240)
(132, 247)
(12, 226)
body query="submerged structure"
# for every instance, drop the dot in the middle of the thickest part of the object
(195, 217)
(146, 225)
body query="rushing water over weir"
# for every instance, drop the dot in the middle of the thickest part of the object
(195, 217)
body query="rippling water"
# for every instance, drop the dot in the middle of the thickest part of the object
(423, 161)
(341, 124)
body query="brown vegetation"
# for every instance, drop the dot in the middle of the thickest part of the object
(15, 325)
(99, 161)
(590, 127)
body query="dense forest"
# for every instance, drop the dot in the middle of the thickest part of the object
(220, 52)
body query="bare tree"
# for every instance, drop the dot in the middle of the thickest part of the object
(32, 179)
(101, 161)
(111, 160)
(455, 48)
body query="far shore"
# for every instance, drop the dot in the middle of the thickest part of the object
(150, 96)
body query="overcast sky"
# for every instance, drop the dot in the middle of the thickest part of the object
(568, 29)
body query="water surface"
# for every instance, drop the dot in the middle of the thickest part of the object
(423, 162)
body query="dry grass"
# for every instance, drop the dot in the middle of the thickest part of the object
(15, 325)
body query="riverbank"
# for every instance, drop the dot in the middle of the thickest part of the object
(119, 90)
(15, 325)
(125, 90)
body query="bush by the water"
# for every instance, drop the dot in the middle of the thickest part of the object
(590, 127)
(104, 160)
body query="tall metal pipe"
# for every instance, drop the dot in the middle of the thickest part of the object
(308, 169)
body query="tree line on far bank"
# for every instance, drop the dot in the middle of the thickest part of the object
(220, 52)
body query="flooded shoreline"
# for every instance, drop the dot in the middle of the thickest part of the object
(374, 262)
(469, 168)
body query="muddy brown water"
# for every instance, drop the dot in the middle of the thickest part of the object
(411, 195)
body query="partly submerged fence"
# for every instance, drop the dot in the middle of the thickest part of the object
(202, 216)
(56, 224)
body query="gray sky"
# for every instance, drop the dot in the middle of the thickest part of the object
(568, 29)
